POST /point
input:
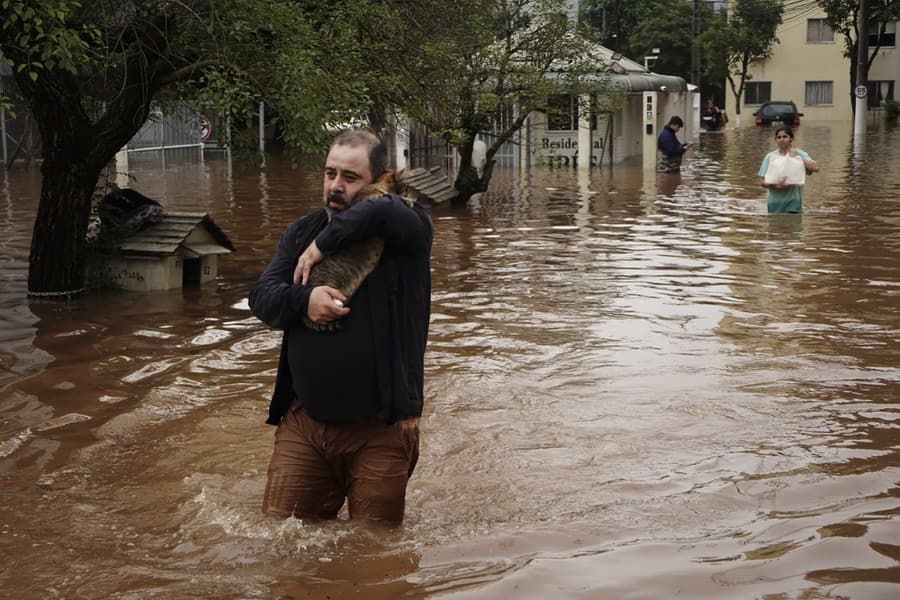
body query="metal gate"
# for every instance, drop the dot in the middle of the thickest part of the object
(426, 150)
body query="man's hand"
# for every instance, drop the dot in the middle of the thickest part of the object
(322, 307)
(305, 263)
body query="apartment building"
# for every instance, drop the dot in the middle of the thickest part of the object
(807, 65)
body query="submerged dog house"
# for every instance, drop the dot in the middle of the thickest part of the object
(430, 184)
(181, 250)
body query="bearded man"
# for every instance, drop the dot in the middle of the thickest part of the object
(347, 401)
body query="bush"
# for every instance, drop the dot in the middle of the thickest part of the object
(891, 110)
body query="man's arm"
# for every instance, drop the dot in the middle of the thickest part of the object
(274, 299)
(403, 228)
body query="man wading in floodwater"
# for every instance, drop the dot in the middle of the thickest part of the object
(670, 150)
(347, 403)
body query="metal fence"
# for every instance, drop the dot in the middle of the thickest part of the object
(179, 128)
(427, 151)
(175, 133)
(18, 132)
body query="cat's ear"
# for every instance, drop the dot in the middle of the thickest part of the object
(398, 185)
(387, 178)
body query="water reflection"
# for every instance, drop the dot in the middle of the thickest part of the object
(636, 383)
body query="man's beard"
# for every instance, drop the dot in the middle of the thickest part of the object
(341, 200)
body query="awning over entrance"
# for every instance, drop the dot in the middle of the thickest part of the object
(649, 82)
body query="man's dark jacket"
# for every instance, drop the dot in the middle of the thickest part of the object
(669, 144)
(400, 292)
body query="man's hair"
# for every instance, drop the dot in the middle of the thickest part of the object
(378, 154)
(676, 120)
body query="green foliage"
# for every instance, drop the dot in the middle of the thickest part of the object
(477, 66)
(745, 34)
(637, 28)
(91, 71)
(843, 17)
(6, 104)
(614, 23)
(667, 27)
(303, 58)
(38, 36)
(891, 110)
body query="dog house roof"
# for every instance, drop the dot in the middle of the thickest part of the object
(174, 231)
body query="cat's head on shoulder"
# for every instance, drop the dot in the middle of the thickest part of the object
(389, 183)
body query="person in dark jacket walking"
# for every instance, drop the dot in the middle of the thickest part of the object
(714, 117)
(670, 149)
(347, 402)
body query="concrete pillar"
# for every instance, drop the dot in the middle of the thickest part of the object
(519, 136)
(400, 133)
(262, 127)
(122, 167)
(524, 139)
(693, 95)
(3, 127)
(584, 133)
(651, 128)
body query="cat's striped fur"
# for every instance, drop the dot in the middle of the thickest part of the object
(346, 269)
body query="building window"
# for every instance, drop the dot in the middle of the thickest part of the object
(757, 92)
(819, 32)
(562, 113)
(879, 91)
(819, 92)
(886, 39)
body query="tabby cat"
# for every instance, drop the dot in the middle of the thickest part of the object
(346, 269)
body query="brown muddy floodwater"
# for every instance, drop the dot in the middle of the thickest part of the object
(636, 388)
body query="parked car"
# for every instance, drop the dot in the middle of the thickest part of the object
(778, 111)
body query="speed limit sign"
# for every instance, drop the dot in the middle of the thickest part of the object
(861, 91)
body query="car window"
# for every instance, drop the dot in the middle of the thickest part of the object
(778, 108)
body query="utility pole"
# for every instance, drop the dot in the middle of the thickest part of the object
(2, 123)
(695, 50)
(862, 58)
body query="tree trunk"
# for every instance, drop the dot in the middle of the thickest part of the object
(468, 182)
(73, 157)
(77, 146)
(75, 151)
(56, 265)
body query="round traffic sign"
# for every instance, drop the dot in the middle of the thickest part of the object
(205, 128)
(861, 91)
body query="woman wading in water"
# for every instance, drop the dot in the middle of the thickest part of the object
(783, 175)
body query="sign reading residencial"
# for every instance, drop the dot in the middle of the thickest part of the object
(861, 91)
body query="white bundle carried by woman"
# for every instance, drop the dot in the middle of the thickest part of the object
(786, 170)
